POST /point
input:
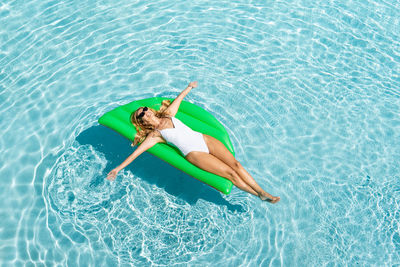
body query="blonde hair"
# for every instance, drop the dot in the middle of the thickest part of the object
(142, 129)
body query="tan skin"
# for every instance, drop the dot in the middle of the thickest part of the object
(219, 161)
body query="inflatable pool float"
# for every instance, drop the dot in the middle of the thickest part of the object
(194, 116)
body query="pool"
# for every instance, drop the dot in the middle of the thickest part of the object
(308, 91)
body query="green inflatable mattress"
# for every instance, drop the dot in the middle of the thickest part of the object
(194, 116)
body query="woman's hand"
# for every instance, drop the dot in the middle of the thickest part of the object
(112, 175)
(193, 84)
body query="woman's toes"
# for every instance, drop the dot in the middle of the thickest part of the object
(275, 199)
(271, 200)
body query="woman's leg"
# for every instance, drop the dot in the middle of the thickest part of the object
(212, 164)
(251, 182)
(219, 150)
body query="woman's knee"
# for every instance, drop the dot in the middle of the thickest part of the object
(232, 175)
(237, 165)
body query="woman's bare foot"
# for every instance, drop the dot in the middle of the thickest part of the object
(271, 199)
(274, 200)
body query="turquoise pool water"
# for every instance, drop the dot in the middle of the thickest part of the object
(309, 92)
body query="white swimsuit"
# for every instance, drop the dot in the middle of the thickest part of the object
(184, 138)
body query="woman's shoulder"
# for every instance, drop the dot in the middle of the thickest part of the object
(156, 134)
(168, 114)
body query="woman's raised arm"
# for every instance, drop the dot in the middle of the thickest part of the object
(149, 142)
(174, 107)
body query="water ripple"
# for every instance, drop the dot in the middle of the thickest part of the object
(308, 93)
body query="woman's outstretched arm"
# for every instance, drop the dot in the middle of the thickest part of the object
(149, 142)
(173, 108)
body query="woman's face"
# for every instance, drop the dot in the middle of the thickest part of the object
(144, 114)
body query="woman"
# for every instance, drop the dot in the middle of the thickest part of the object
(202, 150)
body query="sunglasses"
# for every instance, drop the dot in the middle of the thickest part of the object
(142, 113)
